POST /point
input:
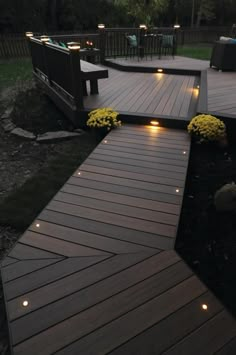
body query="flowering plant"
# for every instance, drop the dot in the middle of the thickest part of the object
(207, 128)
(103, 117)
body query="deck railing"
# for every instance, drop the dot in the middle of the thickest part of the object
(116, 43)
(15, 45)
(58, 70)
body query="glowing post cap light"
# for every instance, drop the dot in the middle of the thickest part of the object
(143, 26)
(44, 38)
(160, 70)
(154, 123)
(37, 225)
(73, 46)
(29, 34)
(204, 307)
(25, 303)
(101, 26)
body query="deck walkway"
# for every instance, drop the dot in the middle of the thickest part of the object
(96, 273)
(221, 85)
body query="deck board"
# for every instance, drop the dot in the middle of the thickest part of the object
(221, 86)
(144, 93)
(98, 268)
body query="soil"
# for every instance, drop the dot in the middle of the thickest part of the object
(21, 159)
(31, 104)
(207, 238)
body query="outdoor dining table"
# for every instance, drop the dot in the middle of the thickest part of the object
(150, 44)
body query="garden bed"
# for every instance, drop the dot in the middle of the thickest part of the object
(207, 238)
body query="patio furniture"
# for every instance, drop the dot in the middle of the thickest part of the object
(233, 31)
(91, 72)
(152, 44)
(223, 56)
(134, 48)
(91, 55)
(168, 45)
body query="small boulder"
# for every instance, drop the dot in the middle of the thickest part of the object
(8, 125)
(225, 198)
(54, 136)
(7, 113)
(23, 133)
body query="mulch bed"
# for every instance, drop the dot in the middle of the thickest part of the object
(207, 238)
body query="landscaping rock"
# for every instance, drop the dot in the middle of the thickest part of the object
(79, 130)
(7, 113)
(8, 125)
(23, 134)
(225, 198)
(54, 136)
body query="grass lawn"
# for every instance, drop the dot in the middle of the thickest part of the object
(198, 51)
(14, 70)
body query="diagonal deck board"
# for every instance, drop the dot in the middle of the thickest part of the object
(105, 280)
(144, 93)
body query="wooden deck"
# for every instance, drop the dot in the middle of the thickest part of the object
(149, 94)
(97, 270)
(221, 85)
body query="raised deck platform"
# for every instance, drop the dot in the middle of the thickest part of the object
(96, 273)
(221, 86)
(147, 94)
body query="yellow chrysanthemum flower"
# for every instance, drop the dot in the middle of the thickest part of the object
(207, 128)
(103, 117)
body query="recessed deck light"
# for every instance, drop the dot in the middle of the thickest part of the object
(37, 225)
(105, 141)
(160, 70)
(25, 303)
(154, 123)
(184, 152)
(204, 307)
(79, 173)
(177, 190)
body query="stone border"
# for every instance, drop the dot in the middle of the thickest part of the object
(9, 127)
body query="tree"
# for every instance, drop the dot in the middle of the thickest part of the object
(206, 11)
(144, 11)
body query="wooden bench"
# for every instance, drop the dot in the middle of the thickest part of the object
(92, 73)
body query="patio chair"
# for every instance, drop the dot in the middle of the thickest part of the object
(133, 47)
(233, 31)
(168, 45)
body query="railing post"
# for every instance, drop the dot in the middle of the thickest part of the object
(102, 35)
(76, 78)
(4, 48)
(142, 29)
(30, 35)
(44, 39)
(176, 37)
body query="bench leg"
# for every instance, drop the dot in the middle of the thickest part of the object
(85, 93)
(93, 87)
